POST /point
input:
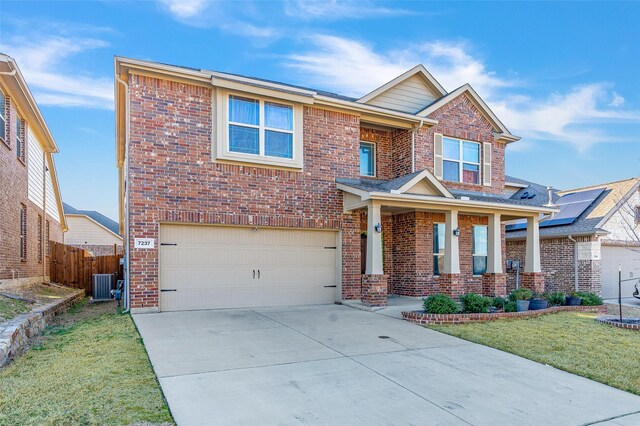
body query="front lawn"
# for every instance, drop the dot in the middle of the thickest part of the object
(570, 341)
(10, 308)
(89, 368)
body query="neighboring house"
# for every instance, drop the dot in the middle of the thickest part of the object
(238, 191)
(596, 231)
(92, 231)
(28, 183)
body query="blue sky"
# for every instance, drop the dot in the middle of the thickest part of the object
(564, 76)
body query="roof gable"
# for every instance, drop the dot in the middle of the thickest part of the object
(499, 127)
(410, 92)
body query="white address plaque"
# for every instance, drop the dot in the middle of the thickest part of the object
(144, 243)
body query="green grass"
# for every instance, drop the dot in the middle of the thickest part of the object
(89, 369)
(9, 308)
(570, 341)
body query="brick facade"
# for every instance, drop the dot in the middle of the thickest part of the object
(173, 179)
(13, 193)
(557, 265)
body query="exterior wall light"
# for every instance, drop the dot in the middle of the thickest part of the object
(378, 228)
(456, 232)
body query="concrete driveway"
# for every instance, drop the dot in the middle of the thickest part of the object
(334, 365)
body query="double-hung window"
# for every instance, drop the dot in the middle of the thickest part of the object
(461, 161)
(23, 232)
(480, 247)
(259, 130)
(438, 248)
(367, 159)
(3, 119)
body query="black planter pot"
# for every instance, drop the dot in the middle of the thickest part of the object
(536, 304)
(573, 300)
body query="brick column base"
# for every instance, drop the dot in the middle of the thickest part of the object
(451, 284)
(533, 281)
(494, 284)
(374, 290)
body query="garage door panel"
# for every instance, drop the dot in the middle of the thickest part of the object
(212, 267)
(628, 260)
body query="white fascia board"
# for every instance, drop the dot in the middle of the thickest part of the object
(460, 203)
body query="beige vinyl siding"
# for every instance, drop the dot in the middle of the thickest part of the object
(35, 170)
(212, 267)
(84, 231)
(411, 96)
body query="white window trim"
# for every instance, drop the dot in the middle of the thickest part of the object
(473, 254)
(461, 161)
(434, 242)
(375, 169)
(221, 150)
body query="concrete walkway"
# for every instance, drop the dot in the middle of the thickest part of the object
(626, 301)
(333, 365)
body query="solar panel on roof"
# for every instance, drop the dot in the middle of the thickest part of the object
(571, 207)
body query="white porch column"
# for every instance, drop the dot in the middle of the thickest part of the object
(494, 236)
(532, 258)
(374, 240)
(451, 246)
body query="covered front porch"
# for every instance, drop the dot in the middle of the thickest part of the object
(418, 238)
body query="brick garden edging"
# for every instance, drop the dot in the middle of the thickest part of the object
(423, 318)
(608, 321)
(16, 332)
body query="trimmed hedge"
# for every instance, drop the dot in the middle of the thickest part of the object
(440, 304)
(475, 304)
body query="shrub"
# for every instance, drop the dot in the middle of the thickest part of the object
(440, 304)
(510, 307)
(556, 298)
(520, 294)
(589, 299)
(499, 302)
(474, 303)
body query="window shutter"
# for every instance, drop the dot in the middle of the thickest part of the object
(437, 155)
(486, 164)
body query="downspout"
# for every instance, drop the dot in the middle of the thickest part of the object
(575, 262)
(413, 145)
(126, 189)
(44, 216)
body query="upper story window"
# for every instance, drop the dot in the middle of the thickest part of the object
(20, 139)
(461, 161)
(367, 159)
(480, 246)
(259, 130)
(3, 118)
(23, 232)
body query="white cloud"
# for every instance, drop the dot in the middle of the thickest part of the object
(183, 9)
(617, 100)
(44, 61)
(578, 116)
(335, 10)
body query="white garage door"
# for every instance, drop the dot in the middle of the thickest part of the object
(629, 260)
(211, 267)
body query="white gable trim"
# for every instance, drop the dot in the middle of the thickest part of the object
(482, 106)
(430, 179)
(418, 69)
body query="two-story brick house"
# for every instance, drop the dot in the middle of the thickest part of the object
(238, 191)
(30, 203)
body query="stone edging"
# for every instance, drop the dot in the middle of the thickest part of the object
(16, 332)
(423, 318)
(608, 320)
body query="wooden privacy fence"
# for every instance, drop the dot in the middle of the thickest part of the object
(74, 267)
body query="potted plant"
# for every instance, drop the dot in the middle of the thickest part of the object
(521, 296)
(573, 299)
(538, 302)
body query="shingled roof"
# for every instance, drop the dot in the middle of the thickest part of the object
(589, 221)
